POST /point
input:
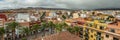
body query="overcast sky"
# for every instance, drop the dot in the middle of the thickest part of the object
(73, 4)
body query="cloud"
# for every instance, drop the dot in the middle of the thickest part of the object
(73, 4)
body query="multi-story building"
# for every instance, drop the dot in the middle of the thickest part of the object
(2, 22)
(75, 15)
(95, 30)
(114, 29)
(92, 34)
(3, 19)
(27, 19)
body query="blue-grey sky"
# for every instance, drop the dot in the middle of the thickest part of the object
(74, 4)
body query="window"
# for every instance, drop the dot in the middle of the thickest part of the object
(99, 39)
(92, 36)
(107, 36)
(92, 31)
(81, 34)
(115, 38)
(98, 33)
(101, 27)
(98, 36)
(112, 30)
(81, 29)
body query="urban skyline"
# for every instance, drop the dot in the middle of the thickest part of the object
(59, 20)
(71, 4)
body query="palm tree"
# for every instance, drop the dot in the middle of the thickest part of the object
(110, 17)
(64, 24)
(51, 26)
(25, 31)
(58, 27)
(42, 16)
(70, 29)
(43, 26)
(63, 16)
(35, 28)
(2, 31)
(77, 30)
(12, 26)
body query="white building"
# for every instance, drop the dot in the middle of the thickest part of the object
(83, 15)
(22, 17)
(75, 15)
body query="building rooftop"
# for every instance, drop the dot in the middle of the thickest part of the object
(61, 36)
(114, 25)
(3, 16)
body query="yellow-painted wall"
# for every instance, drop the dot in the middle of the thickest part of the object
(92, 33)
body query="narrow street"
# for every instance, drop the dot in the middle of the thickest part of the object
(40, 34)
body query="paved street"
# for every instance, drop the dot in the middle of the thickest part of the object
(32, 37)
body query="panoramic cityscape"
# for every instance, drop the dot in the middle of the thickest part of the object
(59, 24)
(51, 20)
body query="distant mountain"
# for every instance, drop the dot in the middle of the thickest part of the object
(39, 8)
(107, 9)
(33, 8)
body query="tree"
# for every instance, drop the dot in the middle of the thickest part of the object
(77, 30)
(43, 26)
(63, 16)
(42, 16)
(70, 29)
(51, 25)
(71, 14)
(64, 24)
(58, 27)
(35, 27)
(25, 30)
(12, 26)
(110, 18)
(2, 31)
(74, 30)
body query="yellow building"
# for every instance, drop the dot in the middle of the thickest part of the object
(90, 32)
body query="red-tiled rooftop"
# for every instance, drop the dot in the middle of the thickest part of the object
(3, 16)
(115, 25)
(61, 36)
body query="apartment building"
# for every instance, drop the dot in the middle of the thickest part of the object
(27, 19)
(3, 19)
(91, 34)
(95, 30)
(2, 22)
(75, 15)
(113, 28)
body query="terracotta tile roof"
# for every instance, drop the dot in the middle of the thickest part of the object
(62, 36)
(3, 16)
